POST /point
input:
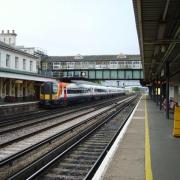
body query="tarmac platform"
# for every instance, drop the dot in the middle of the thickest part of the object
(15, 108)
(145, 149)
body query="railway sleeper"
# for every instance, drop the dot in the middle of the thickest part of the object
(80, 156)
(80, 161)
(92, 149)
(72, 166)
(63, 177)
(62, 171)
(86, 153)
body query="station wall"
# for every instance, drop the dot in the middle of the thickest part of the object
(18, 89)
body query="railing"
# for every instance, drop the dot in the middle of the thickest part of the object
(108, 74)
(45, 73)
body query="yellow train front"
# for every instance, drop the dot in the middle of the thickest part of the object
(52, 94)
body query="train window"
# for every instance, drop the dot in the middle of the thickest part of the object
(54, 88)
(46, 88)
(69, 91)
(76, 91)
(99, 90)
(72, 91)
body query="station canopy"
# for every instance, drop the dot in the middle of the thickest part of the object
(158, 27)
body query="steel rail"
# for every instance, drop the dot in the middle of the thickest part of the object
(100, 105)
(29, 117)
(63, 149)
(17, 155)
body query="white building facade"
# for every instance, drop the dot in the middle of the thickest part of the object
(18, 70)
(13, 58)
(16, 60)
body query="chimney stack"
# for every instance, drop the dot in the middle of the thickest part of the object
(8, 37)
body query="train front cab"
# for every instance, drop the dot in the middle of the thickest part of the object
(53, 94)
(48, 94)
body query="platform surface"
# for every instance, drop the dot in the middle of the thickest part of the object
(131, 160)
(165, 149)
(6, 104)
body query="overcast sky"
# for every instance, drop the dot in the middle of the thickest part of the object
(70, 27)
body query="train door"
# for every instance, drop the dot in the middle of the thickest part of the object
(51, 88)
(60, 90)
(65, 93)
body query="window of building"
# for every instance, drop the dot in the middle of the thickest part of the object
(77, 63)
(7, 60)
(31, 65)
(16, 62)
(44, 65)
(56, 63)
(113, 62)
(24, 64)
(121, 62)
(98, 62)
(136, 62)
(129, 62)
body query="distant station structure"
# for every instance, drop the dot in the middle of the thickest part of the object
(24, 69)
(95, 67)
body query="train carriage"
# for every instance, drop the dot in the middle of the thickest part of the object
(61, 93)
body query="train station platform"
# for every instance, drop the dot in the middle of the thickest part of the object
(145, 149)
(15, 108)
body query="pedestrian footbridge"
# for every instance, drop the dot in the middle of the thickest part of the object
(96, 67)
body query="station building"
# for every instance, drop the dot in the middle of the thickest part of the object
(19, 70)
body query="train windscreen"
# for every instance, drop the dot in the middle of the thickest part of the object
(54, 88)
(46, 88)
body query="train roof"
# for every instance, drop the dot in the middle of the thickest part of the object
(85, 82)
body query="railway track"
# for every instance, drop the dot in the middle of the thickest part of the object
(26, 117)
(27, 128)
(80, 156)
(31, 145)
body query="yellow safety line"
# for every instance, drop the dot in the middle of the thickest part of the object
(148, 169)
